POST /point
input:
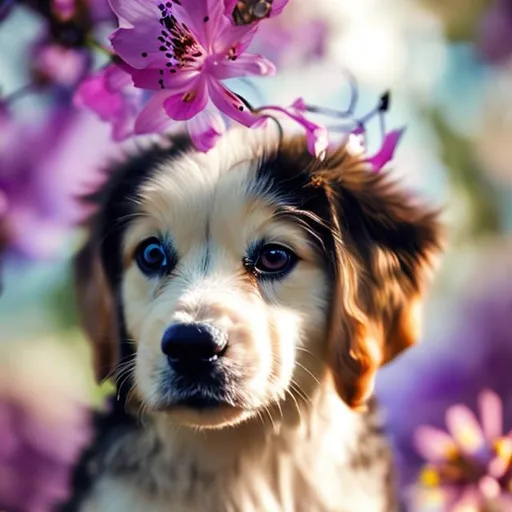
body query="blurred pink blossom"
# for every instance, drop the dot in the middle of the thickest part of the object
(60, 65)
(472, 464)
(111, 94)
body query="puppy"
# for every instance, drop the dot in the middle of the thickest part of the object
(245, 299)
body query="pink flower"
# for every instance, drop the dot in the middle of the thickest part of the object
(316, 134)
(111, 94)
(64, 9)
(387, 150)
(471, 466)
(184, 54)
(60, 65)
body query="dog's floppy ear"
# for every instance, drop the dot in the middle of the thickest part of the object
(385, 250)
(96, 308)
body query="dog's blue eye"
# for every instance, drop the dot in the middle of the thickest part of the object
(275, 259)
(151, 257)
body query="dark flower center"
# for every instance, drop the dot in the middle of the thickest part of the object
(176, 42)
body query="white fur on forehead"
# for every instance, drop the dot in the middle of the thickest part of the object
(239, 146)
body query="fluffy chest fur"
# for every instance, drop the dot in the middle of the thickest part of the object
(328, 459)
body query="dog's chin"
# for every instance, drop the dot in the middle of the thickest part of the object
(202, 410)
(221, 416)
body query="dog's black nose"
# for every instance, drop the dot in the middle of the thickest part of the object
(193, 343)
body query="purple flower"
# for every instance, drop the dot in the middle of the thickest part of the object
(111, 94)
(184, 54)
(60, 65)
(473, 353)
(64, 54)
(44, 426)
(470, 466)
(495, 38)
(40, 186)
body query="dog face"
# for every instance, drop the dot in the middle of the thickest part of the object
(244, 277)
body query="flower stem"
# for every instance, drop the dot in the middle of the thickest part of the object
(98, 46)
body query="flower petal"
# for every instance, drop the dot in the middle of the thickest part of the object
(134, 11)
(117, 76)
(203, 17)
(491, 414)
(229, 104)
(433, 444)
(277, 7)
(469, 501)
(139, 46)
(206, 128)
(117, 106)
(299, 104)
(229, 7)
(93, 93)
(232, 38)
(387, 150)
(464, 427)
(185, 105)
(153, 118)
(317, 136)
(156, 79)
(245, 65)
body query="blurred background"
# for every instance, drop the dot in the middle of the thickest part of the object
(449, 66)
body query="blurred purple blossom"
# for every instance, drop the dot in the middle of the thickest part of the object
(37, 457)
(428, 381)
(471, 466)
(495, 31)
(44, 167)
(45, 424)
(59, 65)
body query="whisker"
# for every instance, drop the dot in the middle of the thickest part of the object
(307, 371)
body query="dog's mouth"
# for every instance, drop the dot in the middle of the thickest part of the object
(203, 400)
(202, 395)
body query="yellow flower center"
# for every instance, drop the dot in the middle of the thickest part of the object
(503, 448)
(429, 477)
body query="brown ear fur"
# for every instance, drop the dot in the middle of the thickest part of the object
(385, 250)
(96, 309)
